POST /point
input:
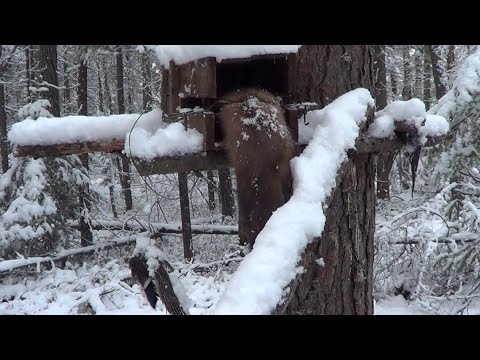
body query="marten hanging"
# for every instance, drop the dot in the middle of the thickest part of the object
(260, 147)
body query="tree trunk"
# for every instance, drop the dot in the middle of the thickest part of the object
(427, 81)
(440, 88)
(418, 75)
(450, 62)
(125, 176)
(66, 91)
(3, 123)
(146, 83)
(393, 79)
(47, 58)
(100, 91)
(128, 86)
(125, 181)
(185, 214)
(108, 94)
(225, 192)
(120, 90)
(28, 72)
(345, 284)
(86, 237)
(211, 190)
(407, 92)
(384, 161)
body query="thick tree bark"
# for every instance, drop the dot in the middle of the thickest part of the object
(86, 237)
(125, 179)
(3, 123)
(47, 58)
(440, 88)
(345, 284)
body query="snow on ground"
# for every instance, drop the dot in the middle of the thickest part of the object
(182, 54)
(397, 305)
(104, 286)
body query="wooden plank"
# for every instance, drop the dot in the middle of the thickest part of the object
(292, 116)
(198, 78)
(209, 160)
(292, 95)
(204, 123)
(37, 151)
(255, 57)
(173, 88)
(164, 90)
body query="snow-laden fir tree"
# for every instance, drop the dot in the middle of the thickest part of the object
(38, 197)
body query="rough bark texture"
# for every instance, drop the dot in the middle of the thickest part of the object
(28, 72)
(440, 88)
(125, 179)
(108, 94)
(185, 214)
(47, 58)
(384, 161)
(3, 123)
(407, 92)
(100, 90)
(86, 236)
(211, 190)
(344, 285)
(427, 82)
(66, 91)
(418, 91)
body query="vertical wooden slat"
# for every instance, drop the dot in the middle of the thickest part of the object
(185, 215)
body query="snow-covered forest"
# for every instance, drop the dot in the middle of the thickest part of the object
(91, 224)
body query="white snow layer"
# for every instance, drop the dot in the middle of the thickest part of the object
(172, 140)
(182, 54)
(150, 137)
(258, 284)
(411, 112)
(72, 129)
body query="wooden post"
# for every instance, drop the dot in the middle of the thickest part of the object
(211, 190)
(226, 192)
(185, 214)
(126, 181)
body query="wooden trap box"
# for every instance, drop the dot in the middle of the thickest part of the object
(201, 83)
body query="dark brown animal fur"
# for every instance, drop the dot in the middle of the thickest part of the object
(260, 147)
